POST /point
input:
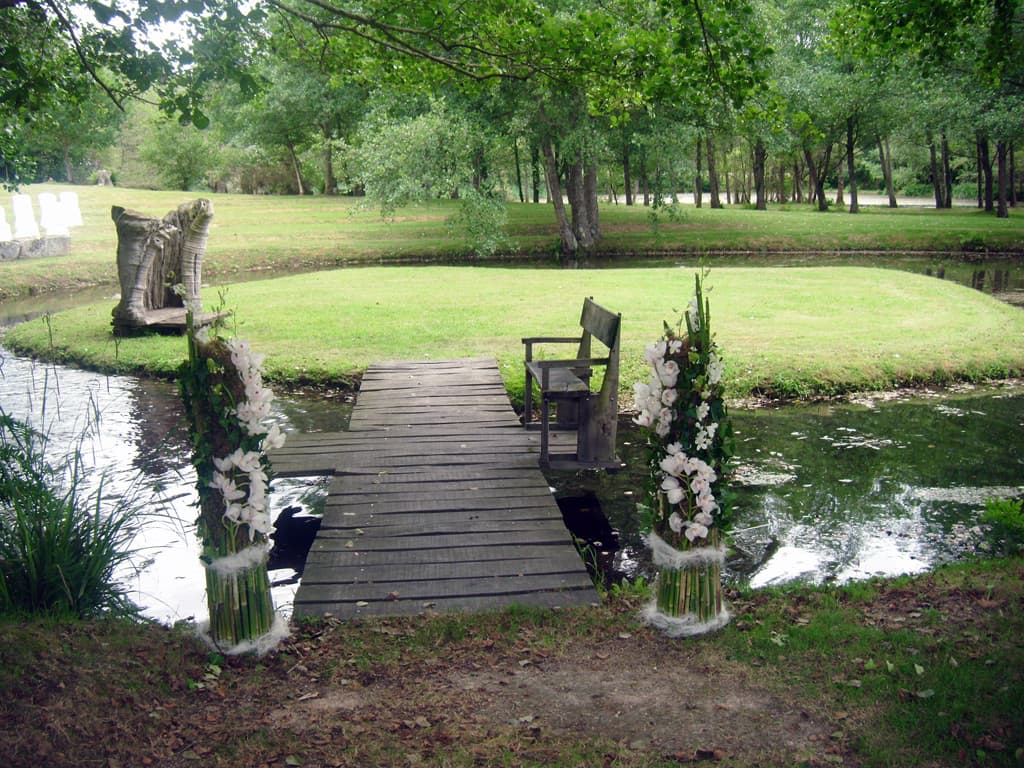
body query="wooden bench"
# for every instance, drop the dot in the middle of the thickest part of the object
(564, 383)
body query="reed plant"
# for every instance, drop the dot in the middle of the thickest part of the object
(62, 547)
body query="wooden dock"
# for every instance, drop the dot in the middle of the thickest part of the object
(436, 501)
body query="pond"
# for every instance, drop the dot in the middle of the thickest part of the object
(883, 485)
(132, 438)
(823, 492)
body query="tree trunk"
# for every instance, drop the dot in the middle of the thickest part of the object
(626, 174)
(1013, 176)
(569, 246)
(698, 182)
(760, 155)
(535, 170)
(296, 170)
(817, 174)
(519, 170)
(840, 198)
(154, 255)
(980, 187)
(330, 182)
(578, 188)
(934, 167)
(986, 167)
(716, 201)
(850, 171)
(68, 170)
(798, 182)
(645, 184)
(885, 160)
(947, 174)
(1002, 211)
(590, 200)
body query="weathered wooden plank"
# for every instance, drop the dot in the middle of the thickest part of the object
(377, 487)
(348, 573)
(410, 494)
(444, 588)
(474, 527)
(397, 524)
(330, 539)
(555, 557)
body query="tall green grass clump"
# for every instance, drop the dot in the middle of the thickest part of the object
(1005, 520)
(61, 547)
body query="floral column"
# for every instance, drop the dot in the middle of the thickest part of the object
(689, 436)
(227, 405)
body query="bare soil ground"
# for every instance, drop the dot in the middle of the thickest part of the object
(583, 687)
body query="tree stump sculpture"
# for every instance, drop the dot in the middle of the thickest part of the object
(154, 257)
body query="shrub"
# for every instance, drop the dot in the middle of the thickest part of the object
(1005, 519)
(60, 548)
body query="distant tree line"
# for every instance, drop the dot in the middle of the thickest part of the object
(567, 102)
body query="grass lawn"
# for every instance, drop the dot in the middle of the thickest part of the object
(257, 233)
(787, 332)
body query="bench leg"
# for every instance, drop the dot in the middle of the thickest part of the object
(545, 425)
(527, 399)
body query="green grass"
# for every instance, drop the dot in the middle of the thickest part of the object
(60, 546)
(789, 332)
(921, 660)
(257, 233)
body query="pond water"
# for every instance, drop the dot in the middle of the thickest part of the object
(132, 438)
(842, 491)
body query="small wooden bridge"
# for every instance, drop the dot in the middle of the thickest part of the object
(436, 501)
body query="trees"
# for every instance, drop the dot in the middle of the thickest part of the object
(574, 61)
(980, 40)
(53, 58)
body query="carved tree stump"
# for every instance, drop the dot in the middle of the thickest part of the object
(154, 256)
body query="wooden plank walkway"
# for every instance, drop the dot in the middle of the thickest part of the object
(436, 501)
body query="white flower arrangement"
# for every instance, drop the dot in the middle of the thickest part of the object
(228, 404)
(682, 409)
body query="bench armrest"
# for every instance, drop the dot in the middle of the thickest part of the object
(529, 341)
(551, 339)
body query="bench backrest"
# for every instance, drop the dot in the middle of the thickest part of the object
(599, 323)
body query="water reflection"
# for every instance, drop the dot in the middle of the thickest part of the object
(132, 439)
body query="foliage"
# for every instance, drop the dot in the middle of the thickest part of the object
(483, 218)
(180, 155)
(411, 158)
(1005, 520)
(60, 547)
